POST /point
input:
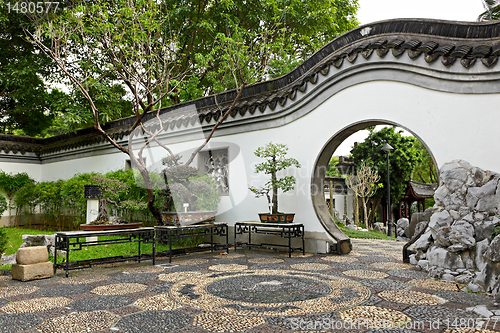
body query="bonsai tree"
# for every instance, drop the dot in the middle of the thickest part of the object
(184, 184)
(275, 155)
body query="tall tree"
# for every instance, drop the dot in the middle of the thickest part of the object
(24, 97)
(300, 28)
(133, 44)
(402, 160)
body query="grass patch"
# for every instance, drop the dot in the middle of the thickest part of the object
(14, 241)
(364, 234)
(14, 237)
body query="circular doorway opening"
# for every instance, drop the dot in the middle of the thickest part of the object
(321, 209)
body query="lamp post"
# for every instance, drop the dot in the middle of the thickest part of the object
(387, 148)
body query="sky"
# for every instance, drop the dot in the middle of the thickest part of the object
(377, 10)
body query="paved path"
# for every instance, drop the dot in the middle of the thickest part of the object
(250, 291)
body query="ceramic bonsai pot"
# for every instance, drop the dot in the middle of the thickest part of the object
(187, 218)
(276, 218)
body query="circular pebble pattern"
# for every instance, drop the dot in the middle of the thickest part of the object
(371, 315)
(18, 322)
(217, 322)
(159, 302)
(391, 266)
(153, 321)
(365, 274)
(339, 259)
(385, 284)
(296, 255)
(469, 330)
(177, 276)
(119, 289)
(444, 315)
(410, 297)
(101, 303)
(17, 290)
(376, 258)
(146, 269)
(189, 262)
(79, 280)
(311, 267)
(433, 284)
(228, 268)
(408, 274)
(35, 304)
(229, 256)
(78, 322)
(345, 293)
(268, 288)
(265, 261)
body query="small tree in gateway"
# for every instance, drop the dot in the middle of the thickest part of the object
(363, 184)
(275, 161)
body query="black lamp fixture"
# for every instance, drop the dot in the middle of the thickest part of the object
(387, 149)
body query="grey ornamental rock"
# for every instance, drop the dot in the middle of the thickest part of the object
(480, 310)
(493, 251)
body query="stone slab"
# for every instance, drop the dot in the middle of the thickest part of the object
(32, 255)
(32, 272)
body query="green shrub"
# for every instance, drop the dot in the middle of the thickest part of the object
(3, 240)
(496, 231)
(3, 205)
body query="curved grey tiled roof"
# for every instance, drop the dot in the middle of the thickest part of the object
(470, 44)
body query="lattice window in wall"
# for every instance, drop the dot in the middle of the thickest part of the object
(216, 163)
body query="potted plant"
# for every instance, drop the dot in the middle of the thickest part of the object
(276, 160)
(110, 191)
(190, 197)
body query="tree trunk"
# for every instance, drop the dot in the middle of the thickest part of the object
(365, 213)
(275, 190)
(151, 195)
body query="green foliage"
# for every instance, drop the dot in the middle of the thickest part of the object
(332, 170)
(424, 171)
(3, 205)
(371, 234)
(402, 159)
(25, 98)
(3, 240)
(204, 40)
(276, 160)
(185, 185)
(495, 232)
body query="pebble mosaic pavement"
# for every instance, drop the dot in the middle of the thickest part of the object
(369, 290)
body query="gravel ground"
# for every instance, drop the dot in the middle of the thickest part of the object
(369, 290)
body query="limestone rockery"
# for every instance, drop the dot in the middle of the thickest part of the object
(458, 243)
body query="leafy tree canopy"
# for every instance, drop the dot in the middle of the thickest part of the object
(292, 29)
(402, 159)
(425, 170)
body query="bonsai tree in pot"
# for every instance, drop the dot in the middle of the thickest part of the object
(275, 161)
(190, 197)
